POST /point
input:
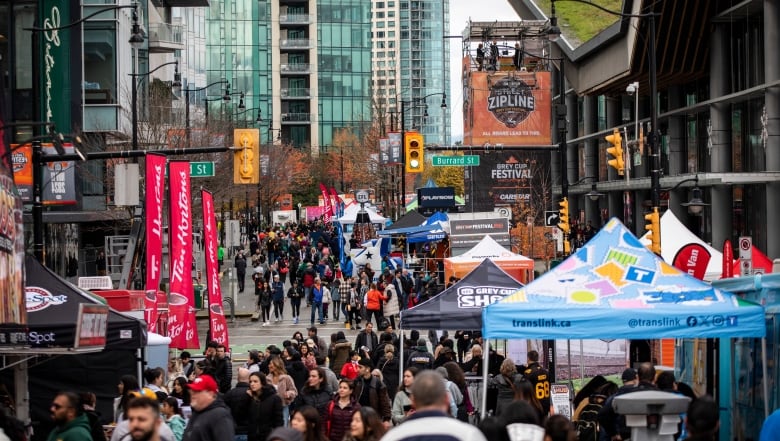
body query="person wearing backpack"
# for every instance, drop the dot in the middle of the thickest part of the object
(586, 417)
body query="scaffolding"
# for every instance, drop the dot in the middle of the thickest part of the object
(529, 36)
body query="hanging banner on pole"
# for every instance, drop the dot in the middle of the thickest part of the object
(326, 201)
(217, 323)
(181, 323)
(396, 150)
(155, 184)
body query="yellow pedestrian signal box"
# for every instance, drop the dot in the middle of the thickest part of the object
(246, 156)
(615, 150)
(415, 152)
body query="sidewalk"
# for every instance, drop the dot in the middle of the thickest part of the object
(244, 303)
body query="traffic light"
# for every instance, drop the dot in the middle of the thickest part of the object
(653, 225)
(246, 156)
(563, 224)
(415, 152)
(615, 150)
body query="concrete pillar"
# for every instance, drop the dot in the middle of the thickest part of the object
(720, 118)
(772, 103)
(678, 161)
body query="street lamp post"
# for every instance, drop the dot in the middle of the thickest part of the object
(186, 93)
(405, 103)
(134, 92)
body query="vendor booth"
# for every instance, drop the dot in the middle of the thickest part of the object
(613, 287)
(516, 265)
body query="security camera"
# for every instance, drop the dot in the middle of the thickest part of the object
(632, 88)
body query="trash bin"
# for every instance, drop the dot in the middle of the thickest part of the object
(199, 290)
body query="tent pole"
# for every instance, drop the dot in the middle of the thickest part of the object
(765, 373)
(401, 352)
(582, 364)
(485, 358)
(568, 351)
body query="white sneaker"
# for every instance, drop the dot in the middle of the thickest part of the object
(265, 323)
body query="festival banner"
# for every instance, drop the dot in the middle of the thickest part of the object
(181, 303)
(217, 324)
(326, 200)
(509, 108)
(520, 180)
(396, 149)
(384, 151)
(155, 185)
(334, 200)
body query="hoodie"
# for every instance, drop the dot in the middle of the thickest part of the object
(75, 430)
(213, 423)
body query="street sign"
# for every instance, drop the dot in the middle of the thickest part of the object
(201, 169)
(551, 218)
(361, 196)
(745, 247)
(455, 161)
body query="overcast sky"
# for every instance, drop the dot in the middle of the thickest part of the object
(460, 13)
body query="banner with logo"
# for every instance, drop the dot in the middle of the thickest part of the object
(384, 151)
(217, 324)
(693, 259)
(396, 150)
(181, 302)
(155, 184)
(334, 196)
(328, 212)
(56, 82)
(13, 314)
(509, 108)
(520, 180)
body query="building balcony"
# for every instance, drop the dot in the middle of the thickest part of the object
(296, 93)
(295, 19)
(165, 38)
(296, 118)
(294, 43)
(187, 3)
(295, 68)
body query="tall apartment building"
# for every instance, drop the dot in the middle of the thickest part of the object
(410, 61)
(305, 64)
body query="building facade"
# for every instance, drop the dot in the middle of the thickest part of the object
(718, 111)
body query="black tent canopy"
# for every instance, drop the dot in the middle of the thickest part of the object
(53, 308)
(460, 305)
(410, 219)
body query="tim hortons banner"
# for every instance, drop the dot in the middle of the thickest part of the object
(155, 185)
(509, 108)
(326, 200)
(217, 323)
(181, 303)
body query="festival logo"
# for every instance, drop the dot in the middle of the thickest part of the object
(481, 296)
(511, 101)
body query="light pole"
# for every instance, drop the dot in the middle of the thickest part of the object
(186, 92)
(405, 103)
(134, 91)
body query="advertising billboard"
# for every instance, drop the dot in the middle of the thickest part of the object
(519, 179)
(510, 108)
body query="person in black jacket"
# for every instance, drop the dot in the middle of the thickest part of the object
(240, 264)
(614, 425)
(295, 368)
(223, 369)
(211, 419)
(236, 400)
(264, 408)
(315, 393)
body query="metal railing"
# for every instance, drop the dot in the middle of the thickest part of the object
(296, 117)
(166, 33)
(294, 43)
(294, 18)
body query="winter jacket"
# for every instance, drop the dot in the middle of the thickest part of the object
(277, 292)
(362, 339)
(402, 399)
(350, 370)
(286, 389)
(298, 372)
(391, 304)
(338, 419)
(316, 293)
(265, 413)
(235, 400)
(76, 430)
(389, 368)
(177, 425)
(213, 423)
(378, 397)
(317, 398)
(340, 355)
(506, 392)
(374, 300)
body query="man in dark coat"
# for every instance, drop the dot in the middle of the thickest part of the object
(240, 264)
(371, 391)
(236, 398)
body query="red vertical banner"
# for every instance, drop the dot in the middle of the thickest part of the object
(181, 303)
(217, 323)
(155, 185)
(334, 202)
(326, 200)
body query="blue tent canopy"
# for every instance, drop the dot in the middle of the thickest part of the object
(614, 287)
(436, 223)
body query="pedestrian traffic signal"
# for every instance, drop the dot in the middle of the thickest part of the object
(415, 152)
(246, 156)
(615, 150)
(653, 225)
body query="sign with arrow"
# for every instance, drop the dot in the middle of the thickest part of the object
(551, 218)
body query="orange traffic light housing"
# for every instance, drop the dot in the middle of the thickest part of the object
(653, 225)
(414, 152)
(246, 156)
(615, 150)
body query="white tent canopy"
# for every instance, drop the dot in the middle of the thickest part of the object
(487, 248)
(351, 212)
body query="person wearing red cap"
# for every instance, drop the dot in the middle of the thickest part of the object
(211, 419)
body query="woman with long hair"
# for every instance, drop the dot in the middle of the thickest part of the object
(284, 384)
(173, 417)
(388, 365)
(295, 368)
(264, 406)
(181, 391)
(402, 403)
(524, 391)
(306, 419)
(504, 384)
(315, 393)
(127, 384)
(307, 357)
(366, 426)
(339, 414)
(264, 294)
(456, 376)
